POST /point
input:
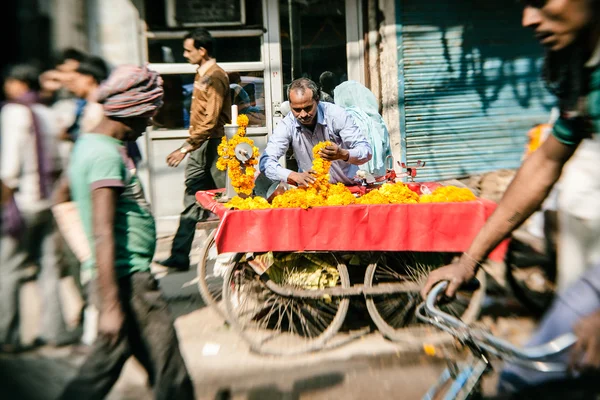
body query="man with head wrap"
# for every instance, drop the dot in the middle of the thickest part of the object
(133, 316)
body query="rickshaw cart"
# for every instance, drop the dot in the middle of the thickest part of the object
(286, 288)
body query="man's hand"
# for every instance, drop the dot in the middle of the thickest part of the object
(456, 274)
(62, 193)
(586, 352)
(177, 156)
(5, 193)
(110, 323)
(334, 152)
(301, 179)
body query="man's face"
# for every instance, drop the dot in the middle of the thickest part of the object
(192, 54)
(66, 73)
(81, 84)
(557, 23)
(14, 89)
(304, 108)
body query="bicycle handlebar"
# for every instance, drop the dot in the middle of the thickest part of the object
(486, 340)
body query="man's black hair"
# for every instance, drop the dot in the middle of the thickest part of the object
(328, 82)
(25, 73)
(95, 67)
(202, 38)
(70, 54)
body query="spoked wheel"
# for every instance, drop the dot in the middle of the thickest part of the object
(212, 268)
(286, 325)
(394, 313)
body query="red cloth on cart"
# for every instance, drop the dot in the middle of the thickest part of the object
(441, 227)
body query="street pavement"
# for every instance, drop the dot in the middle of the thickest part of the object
(220, 363)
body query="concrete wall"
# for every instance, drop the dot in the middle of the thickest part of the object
(382, 56)
(116, 30)
(69, 24)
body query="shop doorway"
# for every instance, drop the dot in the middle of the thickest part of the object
(319, 38)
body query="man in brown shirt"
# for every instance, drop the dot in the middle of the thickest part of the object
(210, 111)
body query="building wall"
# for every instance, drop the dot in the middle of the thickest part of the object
(382, 61)
(116, 30)
(469, 85)
(69, 24)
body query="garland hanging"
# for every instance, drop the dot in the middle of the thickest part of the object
(240, 173)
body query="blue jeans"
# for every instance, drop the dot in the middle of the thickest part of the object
(578, 300)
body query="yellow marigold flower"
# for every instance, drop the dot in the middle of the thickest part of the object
(242, 121)
(222, 164)
(448, 194)
(398, 193)
(340, 199)
(249, 203)
(426, 198)
(373, 197)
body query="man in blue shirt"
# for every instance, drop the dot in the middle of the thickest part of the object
(309, 123)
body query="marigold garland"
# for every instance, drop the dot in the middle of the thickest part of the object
(241, 174)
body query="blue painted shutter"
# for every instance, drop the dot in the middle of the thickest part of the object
(470, 79)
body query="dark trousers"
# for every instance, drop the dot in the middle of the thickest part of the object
(201, 173)
(148, 334)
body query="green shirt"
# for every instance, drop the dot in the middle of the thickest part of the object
(569, 131)
(101, 161)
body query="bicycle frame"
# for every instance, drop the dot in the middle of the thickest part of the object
(482, 343)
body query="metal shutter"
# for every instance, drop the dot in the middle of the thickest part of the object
(469, 84)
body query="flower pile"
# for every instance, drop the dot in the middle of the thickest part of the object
(448, 194)
(322, 193)
(390, 193)
(241, 174)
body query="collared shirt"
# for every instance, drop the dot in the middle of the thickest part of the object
(580, 181)
(211, 103)
(334, 124)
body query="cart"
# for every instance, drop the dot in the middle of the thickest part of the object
(285, 276)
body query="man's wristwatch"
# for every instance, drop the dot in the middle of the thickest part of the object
(184, 150)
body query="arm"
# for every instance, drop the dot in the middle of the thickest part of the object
(104, 201)
(586, 352)
(531, 185)
(5, 193)
(358, 148)
(202, 123)
(62, 194)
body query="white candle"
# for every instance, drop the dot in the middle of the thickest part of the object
(234, 114)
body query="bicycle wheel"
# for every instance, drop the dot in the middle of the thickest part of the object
(394, 314)
(281, 325)
(211, 271)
